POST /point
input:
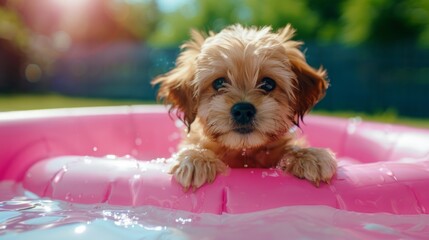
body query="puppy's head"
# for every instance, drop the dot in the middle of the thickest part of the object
(247, 86)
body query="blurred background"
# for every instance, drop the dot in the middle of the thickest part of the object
(71, 53)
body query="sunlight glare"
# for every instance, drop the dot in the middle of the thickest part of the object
(80, 229)
(71, 5)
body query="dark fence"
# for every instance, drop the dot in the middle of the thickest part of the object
(374, 79)
(368, 79)
(121, 71)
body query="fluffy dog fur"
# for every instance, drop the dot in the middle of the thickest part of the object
(213, 73)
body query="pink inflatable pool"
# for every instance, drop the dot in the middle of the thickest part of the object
(117, 156)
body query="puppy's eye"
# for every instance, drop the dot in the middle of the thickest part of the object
(267, 84)
(218, 83)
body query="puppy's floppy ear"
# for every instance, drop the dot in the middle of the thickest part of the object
(311, 84)
(176, 86)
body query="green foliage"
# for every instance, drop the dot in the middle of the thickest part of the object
(17, 102)
(213, 15)
(350, 22)
(12, 29)
(383, 21)
(419, 16)
(389, 116)
(139, 17)
(279, 13)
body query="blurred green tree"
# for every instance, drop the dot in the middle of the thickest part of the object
(12, 28)
(385, 21)
(329, 15)
(13, 45)
(279, 13)
(213, 15)
(350, 22)
(139, 17)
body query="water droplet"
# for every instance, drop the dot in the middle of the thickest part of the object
(388, 172)
(183, 220)
(57, 178)
(243, 152)
(174, 136)
(134, 152)
(138, 141)
(68, 196)
(107, 213)
(178, 124)
(293, 129)
(171, 150)
(353, 124)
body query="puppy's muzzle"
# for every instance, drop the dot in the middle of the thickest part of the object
(243, 114)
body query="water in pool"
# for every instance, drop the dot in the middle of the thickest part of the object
(26, 216)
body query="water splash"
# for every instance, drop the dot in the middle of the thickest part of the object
(86, 160)
(183, 220)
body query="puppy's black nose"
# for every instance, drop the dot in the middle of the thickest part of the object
(243, 112)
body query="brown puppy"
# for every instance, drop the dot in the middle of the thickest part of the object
(241, 91)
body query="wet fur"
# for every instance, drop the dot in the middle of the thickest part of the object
(244, 56)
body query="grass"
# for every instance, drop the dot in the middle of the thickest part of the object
(14, 102)
(18, 102)
(389, 116)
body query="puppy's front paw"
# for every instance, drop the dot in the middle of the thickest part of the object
(313, 164)
(196, 167)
